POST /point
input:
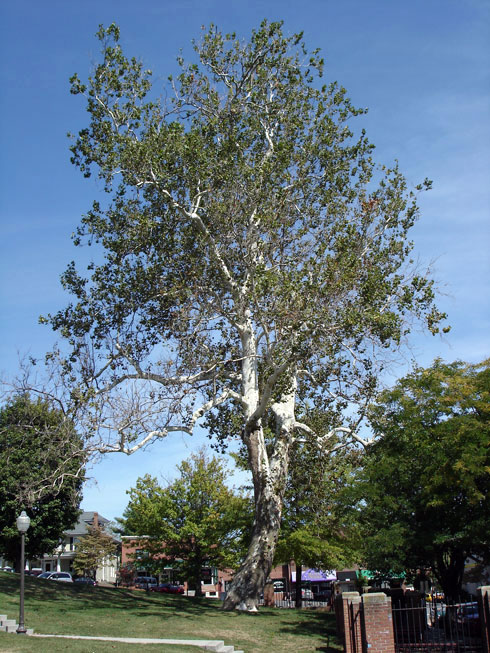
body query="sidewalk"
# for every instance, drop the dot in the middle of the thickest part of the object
(218, 646)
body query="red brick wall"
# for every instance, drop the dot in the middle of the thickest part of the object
(347, 611)
(378, 622)
(484, 600)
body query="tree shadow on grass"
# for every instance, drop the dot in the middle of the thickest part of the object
(72, 599)
(40, 589)
(310, 623)
(74, 596)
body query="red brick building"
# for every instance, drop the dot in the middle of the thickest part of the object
(216, 580)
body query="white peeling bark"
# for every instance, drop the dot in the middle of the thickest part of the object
(269, 478)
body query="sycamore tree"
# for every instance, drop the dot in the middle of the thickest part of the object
(193, 522)
(42, 471)
(248, 255)
(425, 486)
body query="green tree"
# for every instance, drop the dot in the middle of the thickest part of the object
(253, 254)
(425, 486)
(92, 549)
(194, 522)
(316, 530)
(126, 574)
(42, 471)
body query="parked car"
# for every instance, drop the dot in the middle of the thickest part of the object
(60, 576)
(35, 571)
(145, 582)
(323, 595)
(85, 580)
(168, 588)
(435, 596)
(465, 617)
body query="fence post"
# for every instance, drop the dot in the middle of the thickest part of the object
(348, 617)
(378, 623)
(484, 610)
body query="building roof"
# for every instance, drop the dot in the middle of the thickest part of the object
(85, 521)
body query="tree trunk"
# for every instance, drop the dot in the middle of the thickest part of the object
(298, 594)
(449, 570)
(197, 575)
(17, 564)
(249, 581)
(269, 478)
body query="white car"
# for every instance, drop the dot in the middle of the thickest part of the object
(61, 576)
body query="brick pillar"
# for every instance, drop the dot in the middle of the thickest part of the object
(378, 623)
(348, 617)
(484, 609)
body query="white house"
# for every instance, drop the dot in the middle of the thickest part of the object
(62, 558)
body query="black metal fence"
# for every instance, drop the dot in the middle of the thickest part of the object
(439, 627)
(288, 600)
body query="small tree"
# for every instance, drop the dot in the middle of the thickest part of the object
(92, 550)
(195, 521)
(126, 575)
(316, 529)
(42, 471)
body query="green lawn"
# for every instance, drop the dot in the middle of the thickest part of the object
(15, 644)
(59, 608)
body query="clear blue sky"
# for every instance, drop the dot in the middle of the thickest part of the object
(421, 66)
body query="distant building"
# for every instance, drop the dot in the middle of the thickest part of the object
(62, 558)
(134, 554)
(215, 582)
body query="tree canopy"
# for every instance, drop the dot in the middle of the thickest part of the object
(193, 522)
(92, 549)
(425, 485)
(254, 257)
(316, 529)
(41, 471)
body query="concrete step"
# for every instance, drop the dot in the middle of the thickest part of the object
(13, 629)
(10, 625)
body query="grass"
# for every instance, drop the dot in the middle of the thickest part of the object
(59, 608)
(11, 643)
